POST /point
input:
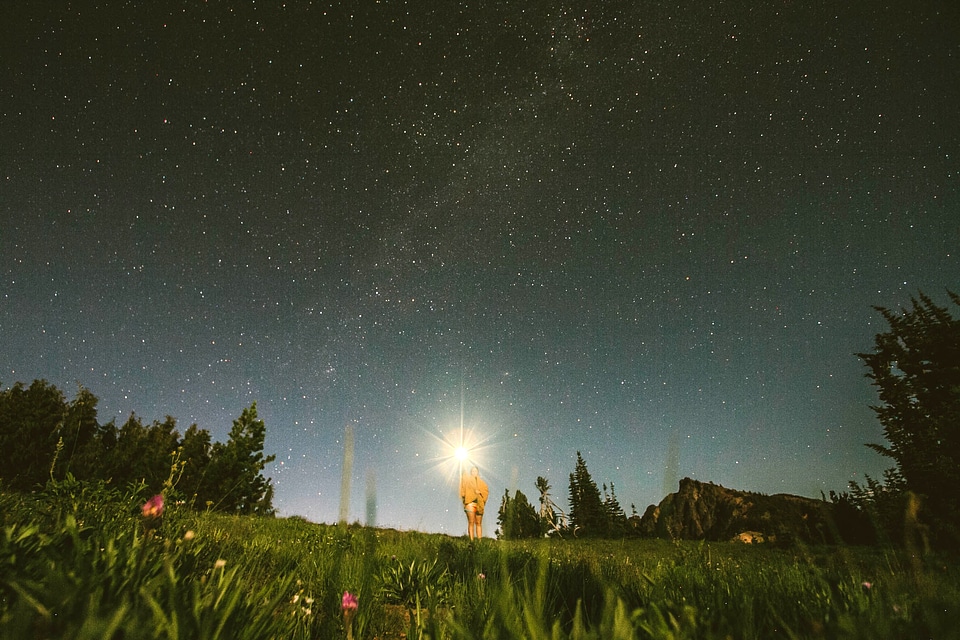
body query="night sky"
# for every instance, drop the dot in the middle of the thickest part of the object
(652, 232)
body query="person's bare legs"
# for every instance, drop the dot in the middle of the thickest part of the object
(478, 520)
(471, 520)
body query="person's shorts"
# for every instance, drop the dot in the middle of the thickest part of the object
(473, 507)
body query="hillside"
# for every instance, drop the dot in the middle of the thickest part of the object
(706, 511)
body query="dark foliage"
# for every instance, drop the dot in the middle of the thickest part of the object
(915, 367)
(517, 518)
(233, 482)
(588, 515)
(43, 437)
(31, 422)
(616, 518)
(851, 524)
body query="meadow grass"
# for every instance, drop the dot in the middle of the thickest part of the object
(84, 563)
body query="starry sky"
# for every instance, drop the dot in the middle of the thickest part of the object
(646, 230)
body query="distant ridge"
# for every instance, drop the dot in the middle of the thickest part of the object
(707, 511)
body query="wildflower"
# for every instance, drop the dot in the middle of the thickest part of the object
(153, 508)
(220, 563)
(482, 576)
(349, 606)
(189, 535)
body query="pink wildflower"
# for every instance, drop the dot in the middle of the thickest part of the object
(153, 508)
(349, 606)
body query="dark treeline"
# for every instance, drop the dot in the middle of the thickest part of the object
(915, 367)
(591, 514)
(45, 437)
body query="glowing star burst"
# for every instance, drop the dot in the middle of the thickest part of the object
(458, 450)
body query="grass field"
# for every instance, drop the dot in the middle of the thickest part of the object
(81, 562)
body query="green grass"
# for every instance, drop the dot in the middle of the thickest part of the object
(81, 562)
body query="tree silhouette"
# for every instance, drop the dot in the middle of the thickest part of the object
(42, 437)
(79, 431)
(143, 453)
(517, 518)
(588, 516)
(233, 482)
(616, 518)
(915, 367)
(195, 451)
(31, 419)
(552, 517)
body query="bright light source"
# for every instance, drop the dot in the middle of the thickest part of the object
(457, 450)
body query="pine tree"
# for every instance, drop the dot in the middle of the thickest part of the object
(234, 482)
(195, 450)
(587, 514)
(142, 453)
(79, 431)
(616, 518)
(31, 422)
(916, 369)
(503, 517)
(517, 517)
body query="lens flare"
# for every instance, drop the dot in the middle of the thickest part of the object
(456, 450)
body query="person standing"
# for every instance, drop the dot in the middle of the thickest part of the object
(473, 493)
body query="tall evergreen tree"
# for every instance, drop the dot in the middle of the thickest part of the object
(616, 518)
(144, 453)
(916, 369)
(195, 451)
(79, 431)
(587, 513)
(234, 482)
(517, 518)
(31, 420)
(504, 525)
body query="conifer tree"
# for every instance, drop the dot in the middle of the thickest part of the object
(195, 451)
(916, 369)
(79, 431)
(587, 514)
(616, 517)
(517, 517)
(31, 420)
(233, 482)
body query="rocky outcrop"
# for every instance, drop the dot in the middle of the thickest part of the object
(706, 511)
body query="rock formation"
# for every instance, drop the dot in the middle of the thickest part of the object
(702, 511)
